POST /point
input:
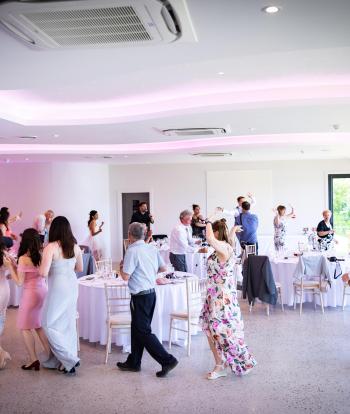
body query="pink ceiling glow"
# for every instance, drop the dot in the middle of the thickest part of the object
(29, 108)
(179, 146)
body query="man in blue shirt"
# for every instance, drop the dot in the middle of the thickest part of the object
(141, 264)
(249, 223)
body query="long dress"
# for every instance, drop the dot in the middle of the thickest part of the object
(96, 244)
(59, 314)
(4, 296)
(280, 228)
(4, 300)
(32, 300)
(221, 316)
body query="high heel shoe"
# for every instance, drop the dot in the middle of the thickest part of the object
(4, 356)
(213, 375)
(34, 365)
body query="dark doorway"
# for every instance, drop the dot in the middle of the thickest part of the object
(130, 202)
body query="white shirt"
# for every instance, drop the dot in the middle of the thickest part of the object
(181, 241)
(238, 210)
(40, 224)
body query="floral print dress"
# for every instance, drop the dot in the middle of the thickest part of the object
(221, 316)
(280, 232)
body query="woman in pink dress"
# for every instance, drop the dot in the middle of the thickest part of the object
(33, 296)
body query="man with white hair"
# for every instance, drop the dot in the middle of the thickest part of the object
(141, 264)
(42, 224)
(181, 242)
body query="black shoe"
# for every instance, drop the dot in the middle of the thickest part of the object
(167, 368)
(124, 366)
(71, 372)
(77, 364)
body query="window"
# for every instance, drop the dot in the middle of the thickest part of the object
(339, 203)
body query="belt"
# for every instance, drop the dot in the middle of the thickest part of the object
(143, 292)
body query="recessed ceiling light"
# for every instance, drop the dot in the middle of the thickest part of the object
(125, 156)
(270, 9)
(221, 73)
(252, 129)
(56, 135)
(26, 159)
(7, 160)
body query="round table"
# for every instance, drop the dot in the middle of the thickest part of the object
(92, 312)
(283, 271)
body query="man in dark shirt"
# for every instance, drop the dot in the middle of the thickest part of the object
(142, 215)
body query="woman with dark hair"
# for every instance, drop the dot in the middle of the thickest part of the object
(33, 295)
(61, 259)
(198, 222)
(280, 226)
(5, 263)
(95, 241)
(6, 220)
(221, 317)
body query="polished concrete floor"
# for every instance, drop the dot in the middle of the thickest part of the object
(304, 367)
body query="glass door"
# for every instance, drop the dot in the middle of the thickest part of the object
(339, 204)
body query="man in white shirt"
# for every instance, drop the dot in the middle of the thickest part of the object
(238, 209)
(42, 224)
(181, 242)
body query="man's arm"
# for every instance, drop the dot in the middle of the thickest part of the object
(128, 265)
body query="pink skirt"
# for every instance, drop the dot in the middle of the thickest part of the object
(30, 308)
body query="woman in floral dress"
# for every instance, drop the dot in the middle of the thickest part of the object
(221, 316)
(280, 226)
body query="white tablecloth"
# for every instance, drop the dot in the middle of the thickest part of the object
(93, 313)
(267, 247)
(196, 262)
(283, 271)
(15, 293)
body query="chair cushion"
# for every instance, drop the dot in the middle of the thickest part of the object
(122, 318)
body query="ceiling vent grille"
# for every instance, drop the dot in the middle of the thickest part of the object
(87, 23)
(212, 154)
(91, 26)
(183, 132)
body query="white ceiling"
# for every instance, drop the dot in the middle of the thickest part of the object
(286, 83)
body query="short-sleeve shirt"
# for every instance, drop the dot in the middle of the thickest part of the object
(144, 218)
(142, 262)
(322, 226)
(250, 224)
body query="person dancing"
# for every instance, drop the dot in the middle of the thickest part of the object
(33, 295)
(62, 257)
(221, 317)
(280, 226)
(95, 241)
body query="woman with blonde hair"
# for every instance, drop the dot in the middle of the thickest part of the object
(221, 317)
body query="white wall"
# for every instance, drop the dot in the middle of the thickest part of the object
(70, 189)
(175, 187)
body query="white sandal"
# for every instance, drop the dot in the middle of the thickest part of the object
(213, 375)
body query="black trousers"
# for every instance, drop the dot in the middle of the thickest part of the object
(142, 308)
(178, 261)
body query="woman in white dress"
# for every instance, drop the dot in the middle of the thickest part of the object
(95, 238)
(5, 262)
(62, 257)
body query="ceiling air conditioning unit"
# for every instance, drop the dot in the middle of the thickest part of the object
(184, 132)
(102, 23)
